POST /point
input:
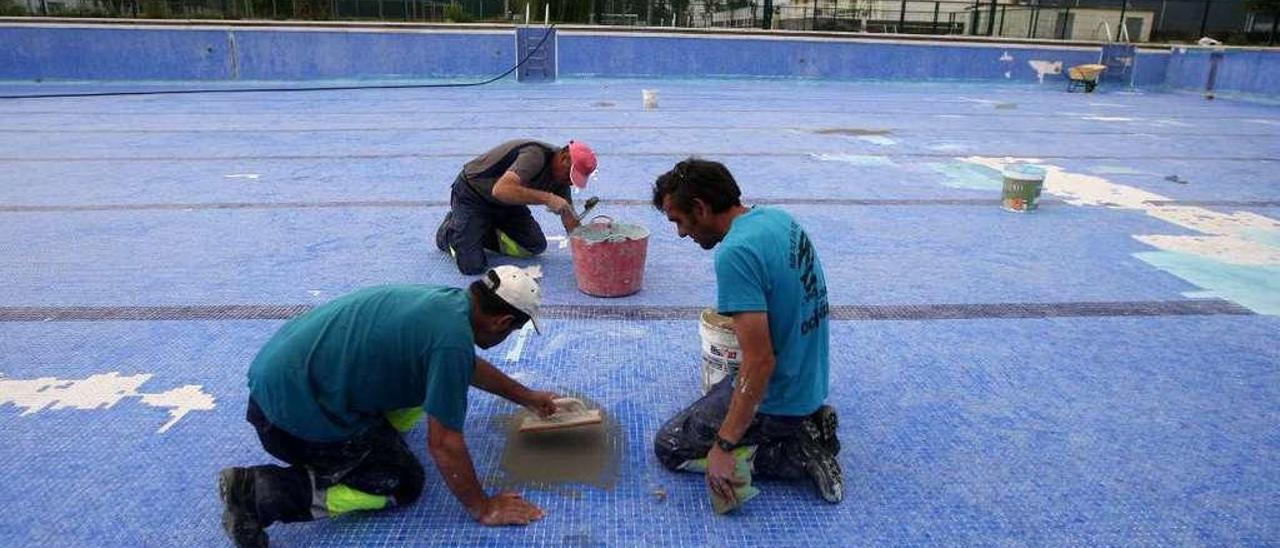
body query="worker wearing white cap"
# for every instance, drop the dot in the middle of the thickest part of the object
(490, 198)
(332, 391)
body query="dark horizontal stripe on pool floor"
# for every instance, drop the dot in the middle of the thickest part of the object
(442, 203)
(222, 205)
(1206, 307)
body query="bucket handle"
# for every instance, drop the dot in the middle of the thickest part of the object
(594, 220)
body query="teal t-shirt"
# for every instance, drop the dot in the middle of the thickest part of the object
(766, 263)
(333, 372)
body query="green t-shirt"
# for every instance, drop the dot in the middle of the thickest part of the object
(333, 372)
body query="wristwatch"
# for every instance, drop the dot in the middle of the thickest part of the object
(725, 445)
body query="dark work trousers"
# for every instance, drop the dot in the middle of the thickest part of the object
(376, 462)
(471, 223)
(691, 433)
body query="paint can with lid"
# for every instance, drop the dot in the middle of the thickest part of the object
(1022, 186)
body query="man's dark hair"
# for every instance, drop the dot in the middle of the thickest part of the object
(491, 304)
(693, 179)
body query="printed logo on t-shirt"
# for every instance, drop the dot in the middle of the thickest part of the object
(803, 259)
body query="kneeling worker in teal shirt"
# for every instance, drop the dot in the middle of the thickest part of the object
(332, 391)
(771, 416)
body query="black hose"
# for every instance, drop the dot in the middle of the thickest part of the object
(280, 90)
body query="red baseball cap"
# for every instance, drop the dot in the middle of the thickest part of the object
(583, 163)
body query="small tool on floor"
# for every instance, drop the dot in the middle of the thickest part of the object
(570, 412)
(591, 204)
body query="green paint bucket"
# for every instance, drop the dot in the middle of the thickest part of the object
(1022, 186)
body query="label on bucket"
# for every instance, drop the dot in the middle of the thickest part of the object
(1022, 185)
(721, 355)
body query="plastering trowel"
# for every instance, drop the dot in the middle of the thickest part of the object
(570, 412)
(591, 204)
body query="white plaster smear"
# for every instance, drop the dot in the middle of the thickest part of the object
(102, 391)
(878, 140)
(1224, 236)
(1170, 122)
(522, 338)
(1108, 118)
(1043, 67)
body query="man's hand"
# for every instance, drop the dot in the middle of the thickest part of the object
(720, 474)
(570, 220)
(508, 508)
(558, 205)
(542, 403)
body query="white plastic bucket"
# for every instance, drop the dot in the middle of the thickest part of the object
(650, 97)
(721, 355)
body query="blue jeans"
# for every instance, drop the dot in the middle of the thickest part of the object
(471, 227)
(691, 433)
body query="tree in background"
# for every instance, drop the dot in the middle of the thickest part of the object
(1266, 7)
(9, 7)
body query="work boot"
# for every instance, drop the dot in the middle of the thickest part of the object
(441, 232)
(239, 515)
(822, 426)
(822, 467)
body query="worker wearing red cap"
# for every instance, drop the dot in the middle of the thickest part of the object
(490, 198)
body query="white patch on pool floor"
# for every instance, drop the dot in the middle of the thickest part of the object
(1225, 236)
(1117, 170)
(180, 401)
(1170, 123)
(854, 159)
(878, 140)
(101, 391)
(1236, 254)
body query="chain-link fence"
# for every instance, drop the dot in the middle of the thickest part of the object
(1229, 21)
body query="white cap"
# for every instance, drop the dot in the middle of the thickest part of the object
(519, 288)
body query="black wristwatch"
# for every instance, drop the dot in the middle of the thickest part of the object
(725, 445)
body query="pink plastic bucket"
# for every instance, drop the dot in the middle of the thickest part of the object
(608, 257)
